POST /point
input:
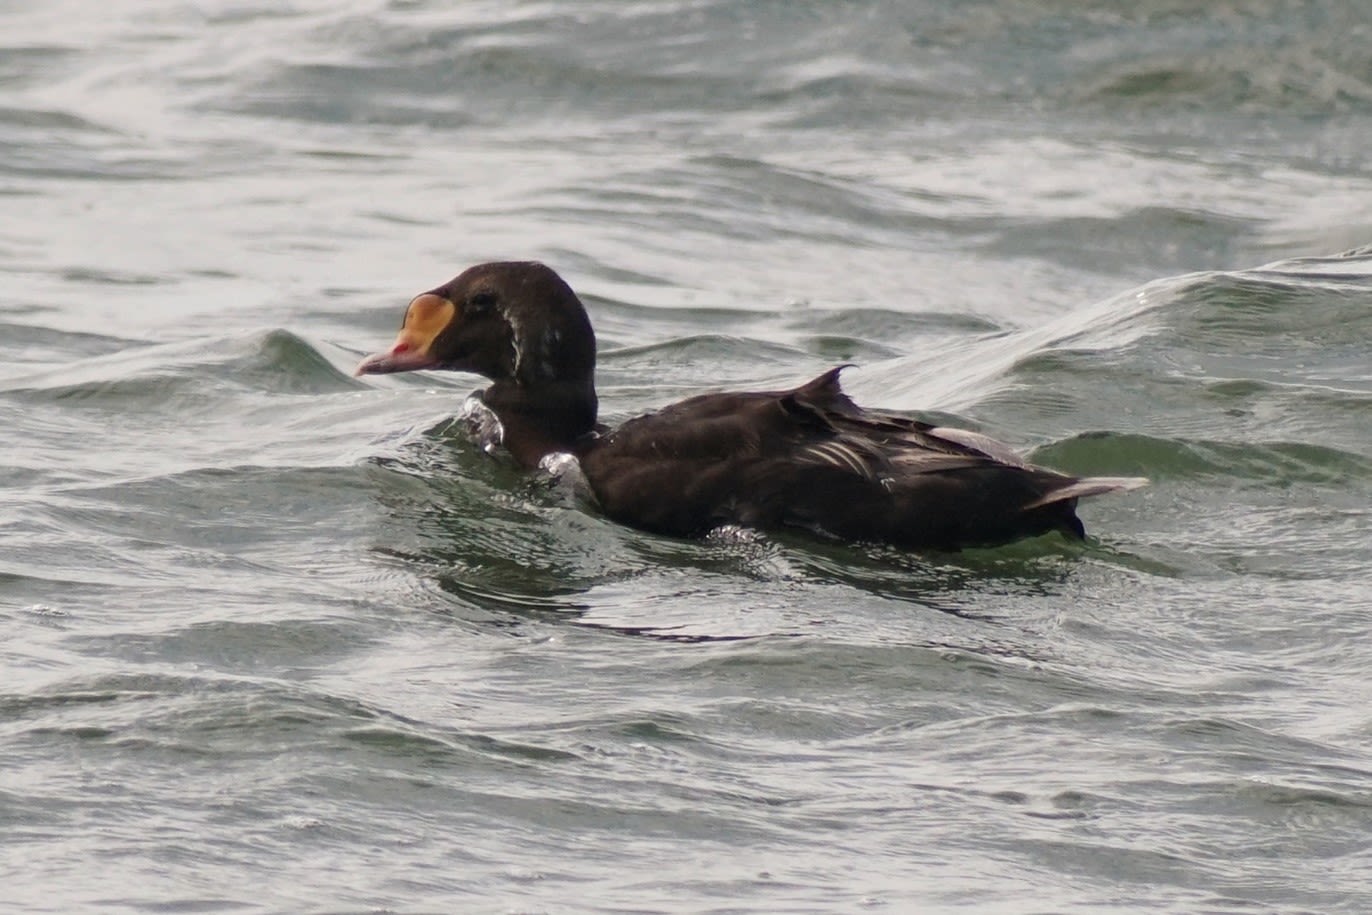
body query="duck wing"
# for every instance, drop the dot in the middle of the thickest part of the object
(825, 396)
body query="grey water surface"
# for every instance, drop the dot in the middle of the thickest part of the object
(276, 639)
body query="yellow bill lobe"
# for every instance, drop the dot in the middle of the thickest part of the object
(425, 319)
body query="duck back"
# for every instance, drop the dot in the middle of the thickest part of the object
(809, 458)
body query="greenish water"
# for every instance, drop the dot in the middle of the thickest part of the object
(279, 639)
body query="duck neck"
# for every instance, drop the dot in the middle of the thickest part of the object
(544, 417)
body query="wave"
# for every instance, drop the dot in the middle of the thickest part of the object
(1277, 464)
(270, 362)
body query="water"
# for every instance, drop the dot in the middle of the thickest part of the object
(277, 639)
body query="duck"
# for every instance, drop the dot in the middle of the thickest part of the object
(807, 459)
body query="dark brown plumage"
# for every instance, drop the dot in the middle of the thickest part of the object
(807, 458)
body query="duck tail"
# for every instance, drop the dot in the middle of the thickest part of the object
(1089, 486)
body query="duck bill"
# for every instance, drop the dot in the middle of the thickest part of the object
(425, 319)
(403, 357)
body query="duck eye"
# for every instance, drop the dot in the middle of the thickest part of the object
(481, 301)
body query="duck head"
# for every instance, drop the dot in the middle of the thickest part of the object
(518, 324)
(511, 322)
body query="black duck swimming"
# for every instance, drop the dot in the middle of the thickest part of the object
(806, 458)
